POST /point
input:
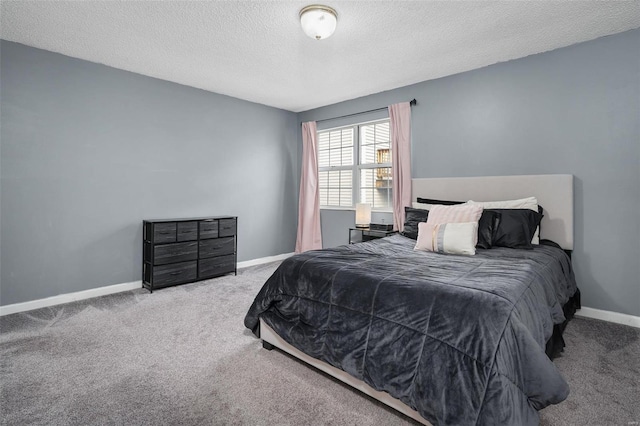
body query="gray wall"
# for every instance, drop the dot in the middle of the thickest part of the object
(573, 110)
(89, 151)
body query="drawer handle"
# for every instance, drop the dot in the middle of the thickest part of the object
(165, 232)
(175, 273)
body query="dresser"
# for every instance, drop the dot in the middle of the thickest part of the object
(179, 251)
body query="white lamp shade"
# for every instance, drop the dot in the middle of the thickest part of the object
(363, 215)
(318, 22)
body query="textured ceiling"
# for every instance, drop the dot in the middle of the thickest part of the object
(256, 50)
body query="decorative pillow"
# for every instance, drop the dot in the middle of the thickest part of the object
(516, 228)
(428, 203)
(522, 203)
(411, 219)
(489, 221)
(452, 238)
(436, 202)
(536, 236)
(454, 214)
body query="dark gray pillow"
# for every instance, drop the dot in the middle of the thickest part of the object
(441, 202)
(488, 223)
(412, 217)
(516, 228)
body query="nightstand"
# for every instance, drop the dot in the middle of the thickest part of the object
(358, 235)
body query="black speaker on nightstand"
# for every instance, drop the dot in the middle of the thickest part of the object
(381, 227)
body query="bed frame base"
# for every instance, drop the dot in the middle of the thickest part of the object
(270, 340)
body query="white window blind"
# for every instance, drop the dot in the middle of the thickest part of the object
(354, 165)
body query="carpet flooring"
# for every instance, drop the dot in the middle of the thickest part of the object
(181, 356)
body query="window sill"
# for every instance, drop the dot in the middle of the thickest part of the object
(353, 209)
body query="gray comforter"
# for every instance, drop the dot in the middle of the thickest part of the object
(461, 339)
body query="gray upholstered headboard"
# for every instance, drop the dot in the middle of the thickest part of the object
(554, 194)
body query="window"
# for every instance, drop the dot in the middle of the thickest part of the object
(354, 165)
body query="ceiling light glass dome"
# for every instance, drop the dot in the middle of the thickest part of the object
(318, 22)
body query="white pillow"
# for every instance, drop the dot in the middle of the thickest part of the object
(426, 206)
(523, 203)
(530, 203)
(453, 238)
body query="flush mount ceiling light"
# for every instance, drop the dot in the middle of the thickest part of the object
(318, 22)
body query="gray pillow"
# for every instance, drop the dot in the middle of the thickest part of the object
(412, 217)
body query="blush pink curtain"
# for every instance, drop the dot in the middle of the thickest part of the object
(400, 119)
(309, 235)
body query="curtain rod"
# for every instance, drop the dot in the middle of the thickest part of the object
(412, 102)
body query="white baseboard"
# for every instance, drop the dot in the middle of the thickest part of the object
(262, 260)
(68, 297)
(609, 316)
(110, 289)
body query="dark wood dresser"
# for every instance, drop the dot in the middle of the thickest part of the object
(179, 251)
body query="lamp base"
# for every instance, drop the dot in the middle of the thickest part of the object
(362, 226)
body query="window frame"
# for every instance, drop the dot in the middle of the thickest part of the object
(356, 167)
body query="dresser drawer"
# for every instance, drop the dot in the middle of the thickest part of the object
(216, 266)
(187, 231)
(227, 227)
(217, 247)
(172, 253)
(175, 273)
(164, 232)
(208, 229)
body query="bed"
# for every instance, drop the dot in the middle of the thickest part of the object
(444, 339)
